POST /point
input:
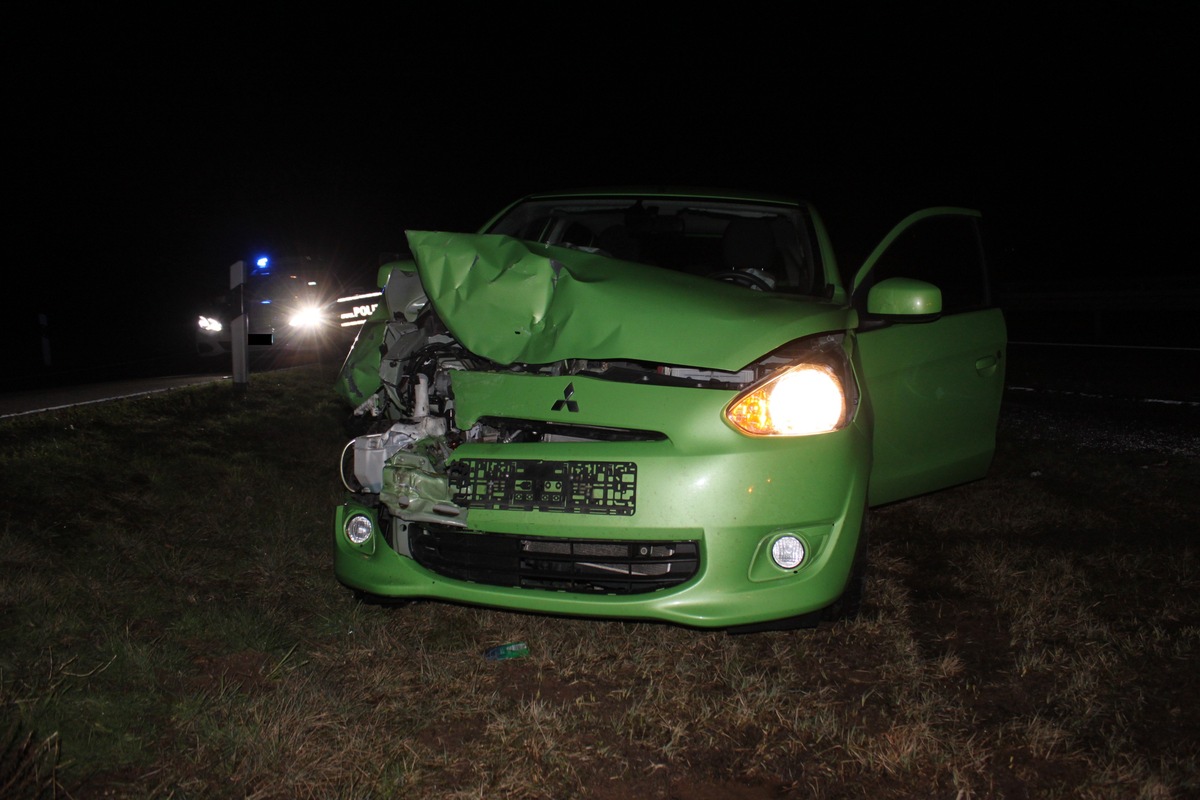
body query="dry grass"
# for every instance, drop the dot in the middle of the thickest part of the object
(172, 629)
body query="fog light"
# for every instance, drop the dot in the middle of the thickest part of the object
(788, 552)
(359, 528)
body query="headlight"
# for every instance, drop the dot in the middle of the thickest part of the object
(209, 324)
(309, 317)
(800, 400)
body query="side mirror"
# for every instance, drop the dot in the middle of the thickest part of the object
(905, 300)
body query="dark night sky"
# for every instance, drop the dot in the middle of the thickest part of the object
(148, 158)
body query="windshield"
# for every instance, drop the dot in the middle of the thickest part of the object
(694, 235)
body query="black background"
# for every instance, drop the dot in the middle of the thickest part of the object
(149, 153)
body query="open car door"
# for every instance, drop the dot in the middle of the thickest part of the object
(930, 352)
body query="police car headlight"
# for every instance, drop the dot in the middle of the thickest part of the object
(209, 324)
(309, 317)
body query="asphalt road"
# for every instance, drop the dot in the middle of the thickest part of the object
(1154, 374)
(46, 393)
(37, 400)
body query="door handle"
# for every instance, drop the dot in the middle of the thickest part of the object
(987, 365)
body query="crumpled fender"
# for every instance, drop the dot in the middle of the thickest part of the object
(358, 379)
(513, 301)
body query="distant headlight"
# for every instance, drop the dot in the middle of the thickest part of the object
(800, 400)
(209, 324)
(309, 317)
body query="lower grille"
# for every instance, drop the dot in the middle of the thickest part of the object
(572, 565)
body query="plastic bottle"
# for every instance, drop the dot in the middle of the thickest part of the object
(510, 650)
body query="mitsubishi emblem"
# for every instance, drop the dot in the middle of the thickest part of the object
(566, 401)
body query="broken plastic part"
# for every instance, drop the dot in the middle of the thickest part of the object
(402, 290)
(358, 378)
(415, 491)
(373, 451)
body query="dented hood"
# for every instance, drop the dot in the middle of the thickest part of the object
(513, 301)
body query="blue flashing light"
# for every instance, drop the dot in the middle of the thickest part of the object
(264, 302)
(262, 266)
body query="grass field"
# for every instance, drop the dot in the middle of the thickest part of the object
(171, 627)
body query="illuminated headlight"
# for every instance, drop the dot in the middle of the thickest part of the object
(359, 528)
(800, 400)
(306, 318)
(788, 552)
(209, 324)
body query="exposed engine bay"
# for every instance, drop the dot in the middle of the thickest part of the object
(406, 461)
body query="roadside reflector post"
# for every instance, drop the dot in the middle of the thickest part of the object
(238, 328)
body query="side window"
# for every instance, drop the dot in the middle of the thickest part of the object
(945, 251)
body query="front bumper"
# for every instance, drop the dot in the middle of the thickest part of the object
(732, 506)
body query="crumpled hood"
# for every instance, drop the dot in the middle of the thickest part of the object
(513, 301)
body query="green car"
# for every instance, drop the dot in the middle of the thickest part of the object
(660, 405)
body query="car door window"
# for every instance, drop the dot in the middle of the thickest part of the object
(943, 250)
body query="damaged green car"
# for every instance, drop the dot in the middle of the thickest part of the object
(660, 405)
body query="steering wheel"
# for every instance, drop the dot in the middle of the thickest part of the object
(747, 279)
